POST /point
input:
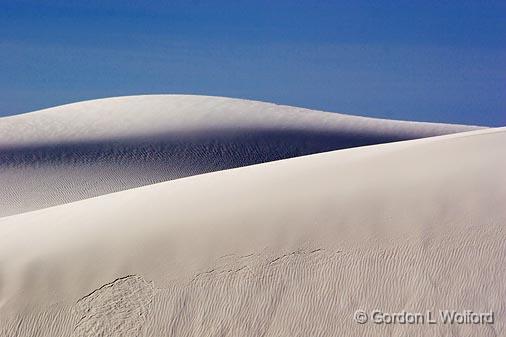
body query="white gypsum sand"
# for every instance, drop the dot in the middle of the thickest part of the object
(286, 248)
(86, 149)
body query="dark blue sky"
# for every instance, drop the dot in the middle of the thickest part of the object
(442, 61)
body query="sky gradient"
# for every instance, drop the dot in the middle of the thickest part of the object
(440, 61)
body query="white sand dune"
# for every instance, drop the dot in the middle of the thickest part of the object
(82, 150)
(286, 248)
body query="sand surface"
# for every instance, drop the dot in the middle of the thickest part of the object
(86, 149)
(286, 248)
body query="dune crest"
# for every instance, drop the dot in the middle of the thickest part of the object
(91, 148)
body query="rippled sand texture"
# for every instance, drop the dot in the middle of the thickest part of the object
(82, 150)
(286, 248)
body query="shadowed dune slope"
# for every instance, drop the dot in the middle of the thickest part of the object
(286, 248)
(86, 149)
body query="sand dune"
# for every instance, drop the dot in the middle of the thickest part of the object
(82, 150)
(286, 248)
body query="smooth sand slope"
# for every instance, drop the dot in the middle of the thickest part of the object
(82, 150)
(287, 248)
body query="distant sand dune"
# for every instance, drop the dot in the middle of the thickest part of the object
(286, 248)
(87, 149)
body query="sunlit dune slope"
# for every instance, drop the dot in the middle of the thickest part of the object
(287, 248)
